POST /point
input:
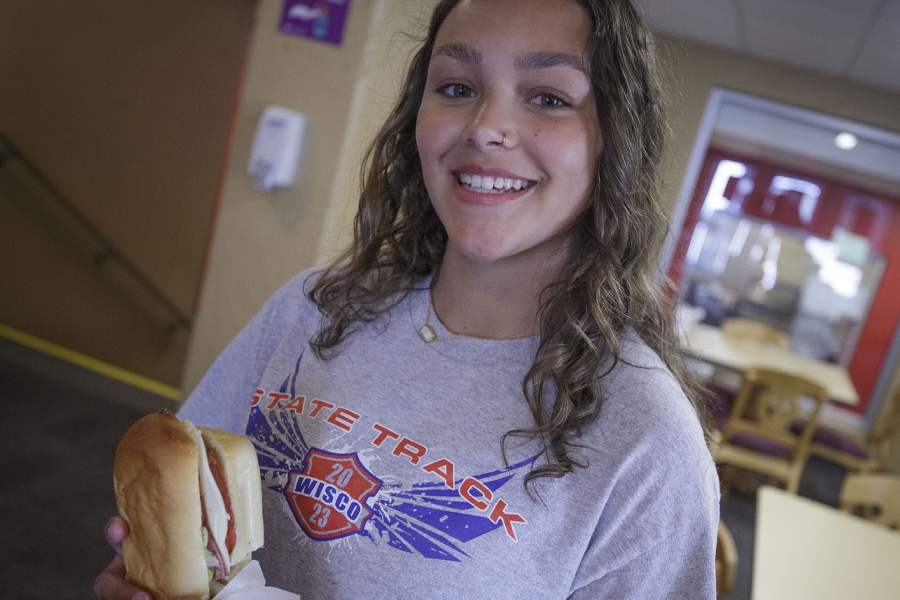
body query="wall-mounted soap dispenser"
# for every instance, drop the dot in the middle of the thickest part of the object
(277, 148)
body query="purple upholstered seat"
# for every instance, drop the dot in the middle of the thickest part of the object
(761, 444)
(833, 439)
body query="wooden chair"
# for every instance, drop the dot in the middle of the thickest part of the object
(758, 436)
(871, 454)
(874, 496)
(723, 384)
(740, 328)
(726, 561)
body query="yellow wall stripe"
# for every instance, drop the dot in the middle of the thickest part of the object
(98, 366)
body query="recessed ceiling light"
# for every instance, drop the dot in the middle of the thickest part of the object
(845, 141)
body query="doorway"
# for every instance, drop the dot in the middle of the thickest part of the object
(792, 217)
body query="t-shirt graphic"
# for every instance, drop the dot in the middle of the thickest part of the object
(335, 494)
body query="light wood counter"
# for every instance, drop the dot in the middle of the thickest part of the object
(709, 345)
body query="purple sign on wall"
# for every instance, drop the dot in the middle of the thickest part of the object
(321, 20)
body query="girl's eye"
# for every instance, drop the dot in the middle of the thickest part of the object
(458, 90)
(549, 101)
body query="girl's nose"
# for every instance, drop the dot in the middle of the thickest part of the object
(492, 125)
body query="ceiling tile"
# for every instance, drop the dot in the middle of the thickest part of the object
(711, 21)
(879, 61)
(817, 34)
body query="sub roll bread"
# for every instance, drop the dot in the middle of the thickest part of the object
(192, 499)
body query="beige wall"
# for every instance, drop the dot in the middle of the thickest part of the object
(125, 107)
(262, 239)
(397, 30)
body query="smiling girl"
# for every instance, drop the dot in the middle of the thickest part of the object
(485, 396)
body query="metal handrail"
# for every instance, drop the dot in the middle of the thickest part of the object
(104, 253)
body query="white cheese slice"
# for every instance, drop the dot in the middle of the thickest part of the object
(216, 515)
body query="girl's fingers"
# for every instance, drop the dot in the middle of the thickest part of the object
(115, 531)
(111, 584)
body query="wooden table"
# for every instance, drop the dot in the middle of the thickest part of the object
(807, 550)
(709, 345)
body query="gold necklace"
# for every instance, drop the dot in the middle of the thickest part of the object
(426, 331)
(428, 334)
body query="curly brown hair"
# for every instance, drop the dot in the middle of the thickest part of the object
(608, 286)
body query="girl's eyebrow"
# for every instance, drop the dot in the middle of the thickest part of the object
(460, 52)
(527, 62)
(545, 60)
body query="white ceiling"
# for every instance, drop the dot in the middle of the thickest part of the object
(857, 39)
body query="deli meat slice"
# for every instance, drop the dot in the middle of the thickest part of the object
(216, 467)
(221, 571)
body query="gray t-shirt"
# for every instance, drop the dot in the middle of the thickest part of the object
(383, 475)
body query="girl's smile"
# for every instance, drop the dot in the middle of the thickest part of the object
(507, 131)
(489, 187)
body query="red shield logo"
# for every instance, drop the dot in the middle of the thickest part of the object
(329, 497)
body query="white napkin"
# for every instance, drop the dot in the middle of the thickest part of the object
(250, 584)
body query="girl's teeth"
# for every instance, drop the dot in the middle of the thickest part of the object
(486, 185)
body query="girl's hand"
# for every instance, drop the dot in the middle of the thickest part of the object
(111, 583)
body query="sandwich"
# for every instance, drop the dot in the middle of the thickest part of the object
(192, 499)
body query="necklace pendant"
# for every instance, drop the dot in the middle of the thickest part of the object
(427, 333)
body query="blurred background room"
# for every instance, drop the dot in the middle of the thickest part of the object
(137, 238)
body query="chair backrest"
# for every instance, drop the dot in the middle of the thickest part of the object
(884, 437)
(762, 333)
(726, 561)
(767, 404)
(874, 496)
